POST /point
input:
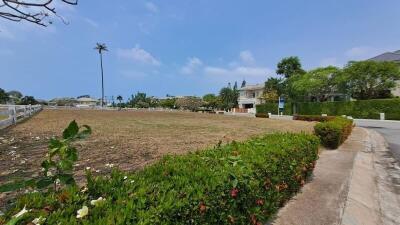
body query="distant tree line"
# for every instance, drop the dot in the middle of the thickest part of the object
(358, 80)
(16, 97)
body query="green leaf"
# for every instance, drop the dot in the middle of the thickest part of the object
(14, 220)
(44, 182)
(16, 185)
(72, 154)
(66, 179)
(85, 133)
(71, 131)
(65, 165)
(54, 143)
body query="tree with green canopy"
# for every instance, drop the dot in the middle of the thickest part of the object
(289, 66)
(369, 79)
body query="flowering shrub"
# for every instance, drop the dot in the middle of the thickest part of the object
(238, 183)
(334, 132)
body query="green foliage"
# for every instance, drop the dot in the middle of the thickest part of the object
(313, 118)
(211, 101)
(333, 132)
(262, 115)
(28, 100)
(239, 183)
(189, 103)
(315, 85)
(3, 96)
(370, 79)
(362, 109)
(15, 94)
(272, 107)
(167, 103)
(276, 85)
(229, 97)
(58, 167)
(289, 66)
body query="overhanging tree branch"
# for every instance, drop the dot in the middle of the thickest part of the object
(33, 11)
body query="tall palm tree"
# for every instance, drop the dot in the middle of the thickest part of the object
(100, 48)
(119, 98)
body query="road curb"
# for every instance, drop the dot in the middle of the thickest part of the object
(372, 197)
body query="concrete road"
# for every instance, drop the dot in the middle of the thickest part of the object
(389, 129)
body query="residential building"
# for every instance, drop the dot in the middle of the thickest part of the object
(87, 102)
(390, 57)
(249, 96)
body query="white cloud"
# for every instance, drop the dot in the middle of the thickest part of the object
(241, 71)
(191, 65)
(138, 55)
(151, 7)
(91, 22)
(247, 57)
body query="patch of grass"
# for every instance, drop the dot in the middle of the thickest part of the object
(128, 139)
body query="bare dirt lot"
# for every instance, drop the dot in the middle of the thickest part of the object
(127, 139)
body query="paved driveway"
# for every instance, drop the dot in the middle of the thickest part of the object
(389, 129)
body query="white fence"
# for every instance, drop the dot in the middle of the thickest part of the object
(15, 113)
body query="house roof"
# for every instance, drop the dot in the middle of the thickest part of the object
(388, 56)
(252, 87)
(87, 100)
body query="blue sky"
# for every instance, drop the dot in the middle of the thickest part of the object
(188, 47)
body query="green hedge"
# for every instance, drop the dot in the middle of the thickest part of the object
(238, 183)
(334, 132)
(271, 107)
(362, 109)
(317, 118)
(262, 115)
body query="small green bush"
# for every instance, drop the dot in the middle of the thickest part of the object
(262, 115)
(317, 118)
(238, 183)
(334, 132)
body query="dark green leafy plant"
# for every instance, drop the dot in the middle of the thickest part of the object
(238, 183)
(334, 132)
(57, 168)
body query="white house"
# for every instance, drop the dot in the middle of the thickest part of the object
(86, 102)
(249, 96)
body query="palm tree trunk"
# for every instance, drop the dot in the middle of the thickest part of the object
(102, 80)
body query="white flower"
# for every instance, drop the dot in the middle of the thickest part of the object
(38, 221)
(49, 174)
(110, 165)
(82, 212)
(96, 202)
(85, 189)
(88, 168)
(132, 181)
(97, 171)
(125, 177)
(22, 212)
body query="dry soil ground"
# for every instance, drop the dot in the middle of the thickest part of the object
(127, 139)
